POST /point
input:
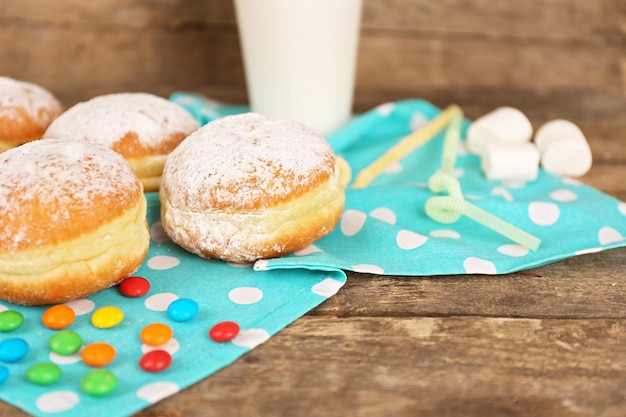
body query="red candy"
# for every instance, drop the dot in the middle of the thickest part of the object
(224, 331)
(155, 361)
(134, 287)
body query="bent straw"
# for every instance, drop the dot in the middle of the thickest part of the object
(404, 147)
(449, 209)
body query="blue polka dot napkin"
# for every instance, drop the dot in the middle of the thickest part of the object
(383, 230)
(261, 303)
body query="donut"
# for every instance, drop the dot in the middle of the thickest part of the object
(142, 127)
(72, 221)
(26, 110)
(247, 187)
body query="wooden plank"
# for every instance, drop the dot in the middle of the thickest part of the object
(475, 63)
(421, 366)
(194, 46)
(533, 20)
(116, 14)
(556, 20)
(77, 68)
(571, 288)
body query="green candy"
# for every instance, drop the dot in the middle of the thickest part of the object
(98, 382)
(10, 320)
(65, 342)
(43, 373)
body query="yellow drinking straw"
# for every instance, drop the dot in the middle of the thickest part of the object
(405, 146)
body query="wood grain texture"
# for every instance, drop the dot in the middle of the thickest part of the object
(477, 53)
(550, 341)
(456, 366)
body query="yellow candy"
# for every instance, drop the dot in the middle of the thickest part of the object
(107, 317)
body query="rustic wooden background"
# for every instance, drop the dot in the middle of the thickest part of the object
(538, 55)
(546, 342)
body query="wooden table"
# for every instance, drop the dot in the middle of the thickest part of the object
(550, 341)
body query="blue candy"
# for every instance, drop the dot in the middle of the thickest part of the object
(183, 309)
(12, 350)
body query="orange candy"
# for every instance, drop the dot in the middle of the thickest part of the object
(156, 334)
(58, 317)
(98, 354)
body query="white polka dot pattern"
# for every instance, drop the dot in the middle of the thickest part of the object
(383, 230)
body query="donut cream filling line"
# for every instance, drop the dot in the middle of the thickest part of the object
(246, 229)
(110, 243)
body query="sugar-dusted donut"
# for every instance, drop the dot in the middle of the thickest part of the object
(142, 127)
(247, 187)
(26, 110)
(72, 221)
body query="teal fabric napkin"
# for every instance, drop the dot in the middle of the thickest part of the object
(261, 303)
(384, 230)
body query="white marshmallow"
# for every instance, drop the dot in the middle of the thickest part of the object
(563, 148)
(504, 124)
(510, 161)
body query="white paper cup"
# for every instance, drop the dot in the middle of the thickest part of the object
(300, 58)
(564, 149)
(504, 124)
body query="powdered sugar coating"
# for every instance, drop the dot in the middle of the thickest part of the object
(49, 186)
(246, 161)
(107, 119)
(38, 103)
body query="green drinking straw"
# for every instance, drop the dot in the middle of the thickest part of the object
(451, 141)
(448, 209)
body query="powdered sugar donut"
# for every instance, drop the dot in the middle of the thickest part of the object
(247, 187)
(142, 127)
(72, 221)
(26, 110)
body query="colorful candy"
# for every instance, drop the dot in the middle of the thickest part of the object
(156, 334)
(10, 320)
(98, 382)
(134, 287)
(65, 342)
(4, 374)
(155, 361)
(98, 354)
(12, 350)
(183, 309)
(224, 331)
(58, 317)
(43, 373)
(107, 317)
